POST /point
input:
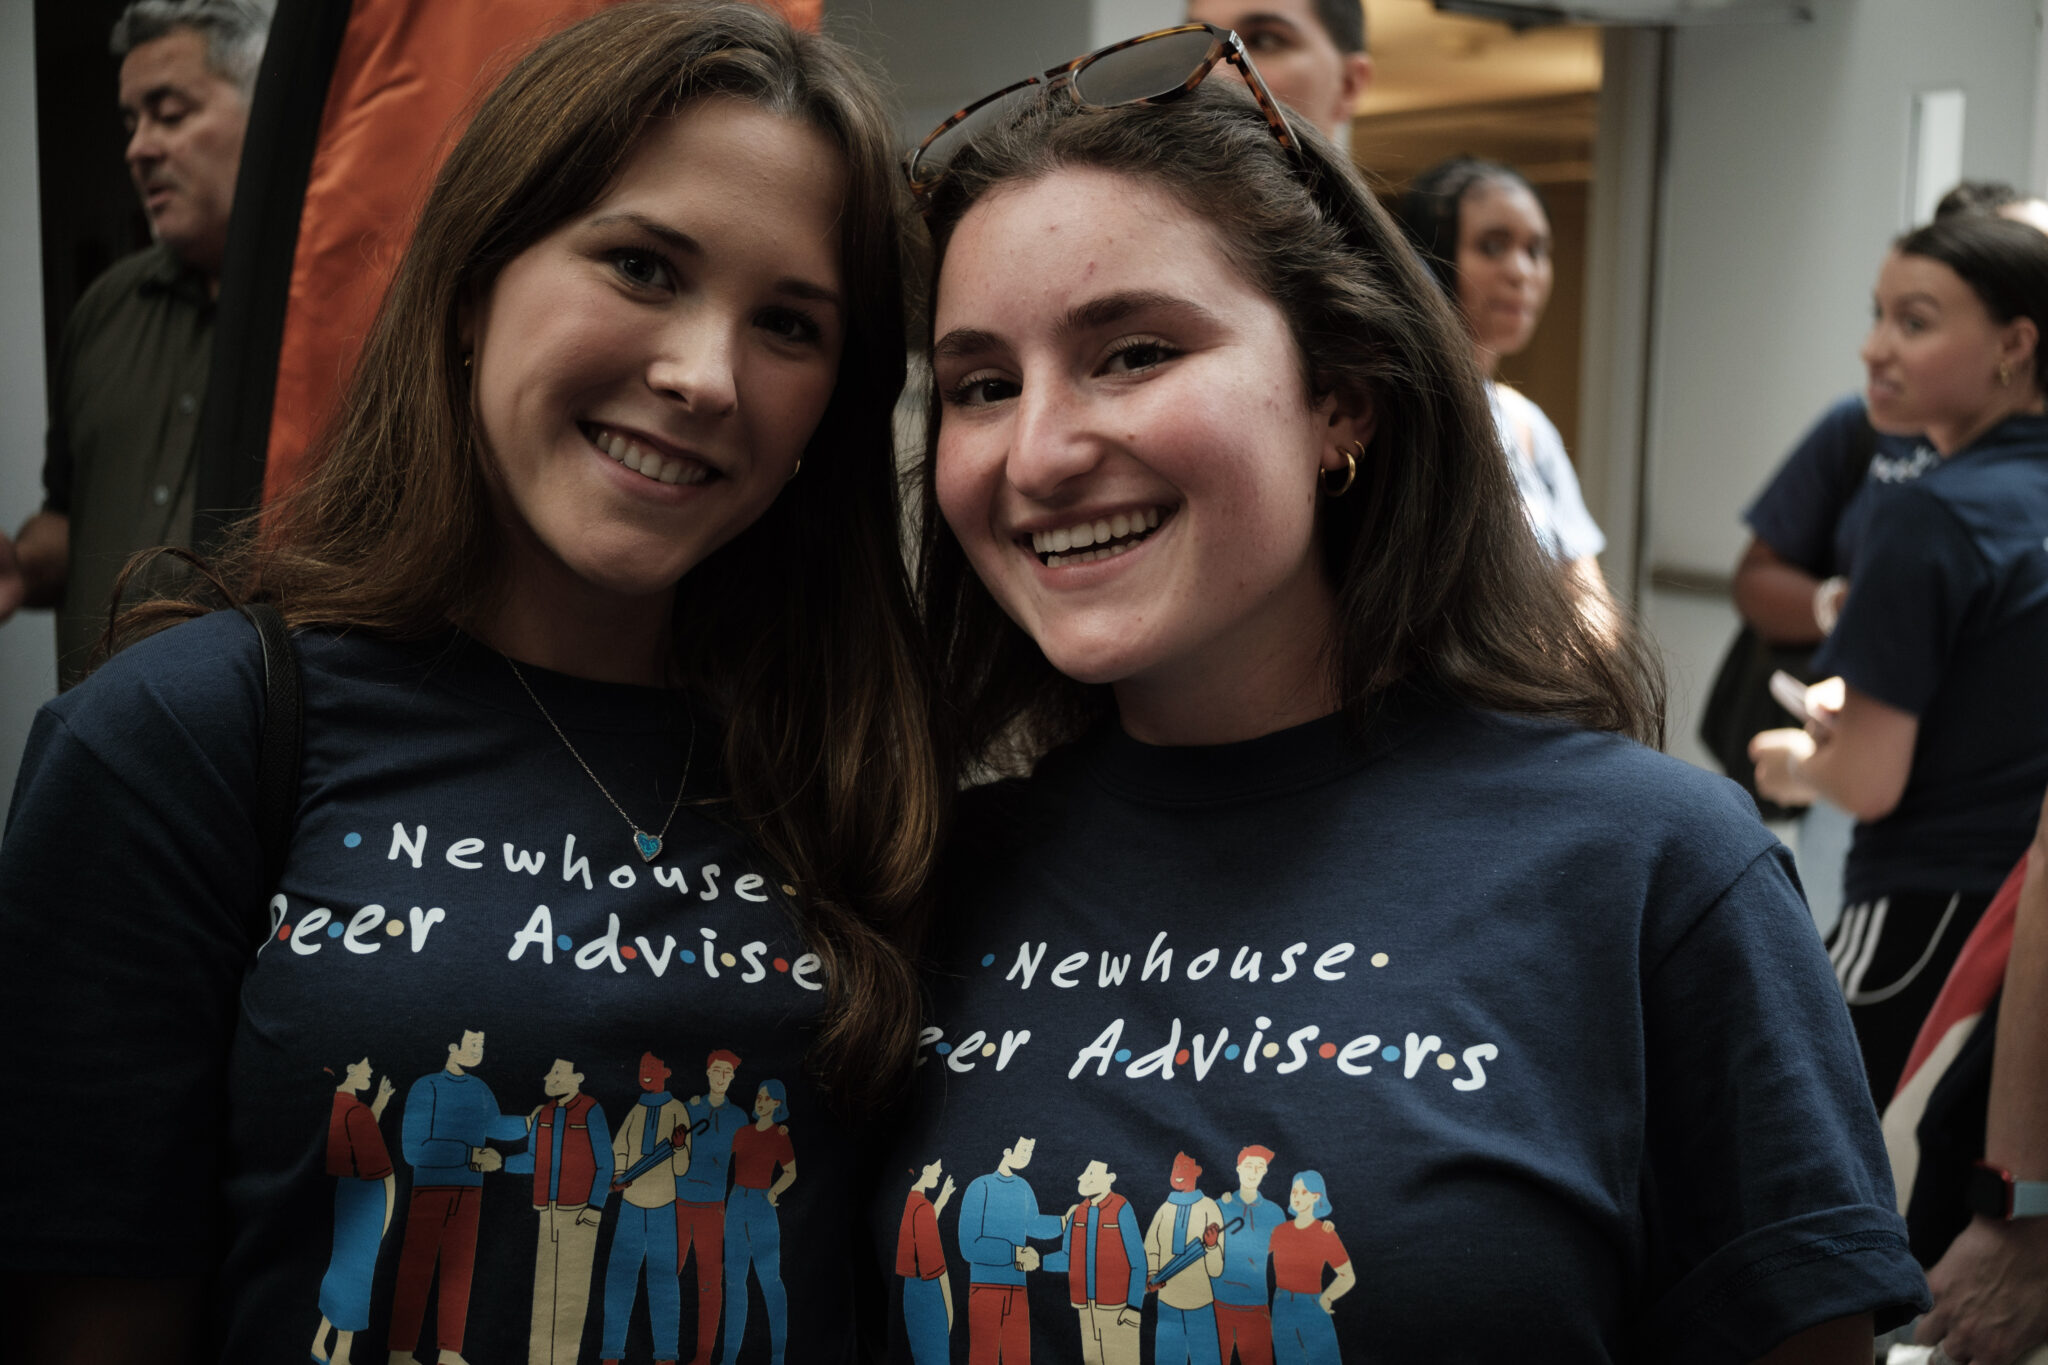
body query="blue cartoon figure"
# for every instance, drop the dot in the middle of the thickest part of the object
(364, 1190)
(998, 1216)
(1301, 1249)
(753, 1239)
(1244, 1317)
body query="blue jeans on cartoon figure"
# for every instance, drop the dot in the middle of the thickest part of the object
(1302, 1331)
(643, 1237)
(358, 1231)
(753, 1238)
(1185, 1336)
(924, 1321)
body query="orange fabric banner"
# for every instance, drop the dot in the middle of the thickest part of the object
(407, 74)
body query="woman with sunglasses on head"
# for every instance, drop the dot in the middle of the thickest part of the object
(613, 750)
(1336, 844)
(1483, 231)
(1929, 728)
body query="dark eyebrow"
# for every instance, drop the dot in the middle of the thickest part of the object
(1111, 309)
(1263, 17)
(1106, 311)
(684, 244)
(963, 341)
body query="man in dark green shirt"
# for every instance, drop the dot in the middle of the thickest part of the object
(131, 370)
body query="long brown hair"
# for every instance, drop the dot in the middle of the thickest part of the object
(800, 628)
(1441, 586)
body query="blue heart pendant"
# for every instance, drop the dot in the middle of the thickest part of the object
(648, 844)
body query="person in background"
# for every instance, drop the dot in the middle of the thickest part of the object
(131, 370)
(1929, 728)
(1806, 525)
(1484, 234)
(1310, 52)
(1991, 1286)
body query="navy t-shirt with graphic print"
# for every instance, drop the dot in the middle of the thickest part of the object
(468, 980)
(1516, 1034)
(1947, 620)
(1816, 509)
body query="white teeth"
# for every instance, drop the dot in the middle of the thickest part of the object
(1055, 545)
(647, 463)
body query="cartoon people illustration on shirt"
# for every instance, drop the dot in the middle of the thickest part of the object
(921, 1262)
(365, 1189)
(1184, 1252)
(450, 1117)
(569, 1155)
(1104, 1261)
(1244, 1320)
(651, 1149)
(998, 1215)
(753, 1238)
(700, 1192)
(1302, 1331)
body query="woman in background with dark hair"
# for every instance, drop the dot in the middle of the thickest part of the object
(1338, 843)
(614, 748)
(1483, 231)
(1929, 727)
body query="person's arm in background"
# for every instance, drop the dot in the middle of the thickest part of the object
(1858, 755)
(34, 564)
(1779, 598)
(1991, 1286)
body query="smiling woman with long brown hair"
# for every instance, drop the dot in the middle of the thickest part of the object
(1337, 851)
(613, 751)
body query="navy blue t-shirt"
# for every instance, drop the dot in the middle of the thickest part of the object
(1517, 1033)
(444, 1018)
(1947, 619)
(1815, 510)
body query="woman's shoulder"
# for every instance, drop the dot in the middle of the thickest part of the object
(207, 669)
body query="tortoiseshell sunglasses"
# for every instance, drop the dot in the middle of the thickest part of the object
(1151, 68)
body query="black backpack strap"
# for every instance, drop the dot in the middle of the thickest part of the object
(277, 753)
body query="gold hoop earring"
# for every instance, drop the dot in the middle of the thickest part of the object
(1342, 486)
(2004, 375)
(794, 472)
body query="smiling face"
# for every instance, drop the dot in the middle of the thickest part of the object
(562, 1081)
(1128, 452)
(1295, 55)
(1250, 1172)
(185, 126)
(765, 1105)
(654, 1073)
(1303, 1200)
(1933, 355)
(718, 1076)
(647, 375)
(470, 1050)
(1504, 266)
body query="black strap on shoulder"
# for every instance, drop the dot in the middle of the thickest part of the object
(277, 753)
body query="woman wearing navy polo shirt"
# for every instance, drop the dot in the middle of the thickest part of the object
(1930, 730)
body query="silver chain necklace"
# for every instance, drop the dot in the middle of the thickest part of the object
(648, 846)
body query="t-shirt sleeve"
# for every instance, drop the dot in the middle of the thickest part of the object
(1797, 511)
(1578, 535)
(130, 903)
(1767, 1197)
(1917, 578)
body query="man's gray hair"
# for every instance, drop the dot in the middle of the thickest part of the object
(234, 30)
